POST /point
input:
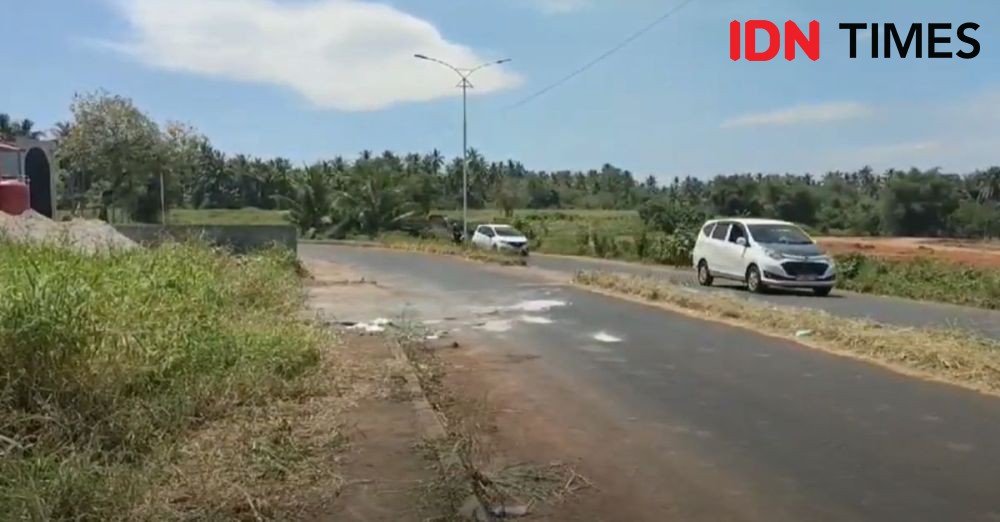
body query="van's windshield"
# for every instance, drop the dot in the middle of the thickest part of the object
(507, 232)
(779, 234)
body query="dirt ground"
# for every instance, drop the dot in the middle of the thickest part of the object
(980, 254)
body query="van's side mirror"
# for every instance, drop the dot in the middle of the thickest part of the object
(741, 241)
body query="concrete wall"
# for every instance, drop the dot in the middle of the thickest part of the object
(13, 164)
(240, 238)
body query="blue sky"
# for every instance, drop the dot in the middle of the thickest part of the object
(310, 79)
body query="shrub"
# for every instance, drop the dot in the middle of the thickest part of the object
(674, 249)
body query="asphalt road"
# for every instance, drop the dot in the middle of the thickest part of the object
(747, 427)
(888, 310)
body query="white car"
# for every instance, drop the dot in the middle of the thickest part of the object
(762, 253)
(501, 238)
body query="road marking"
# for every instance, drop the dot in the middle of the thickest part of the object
(497, 326)
(605, 337)
(539, 305)
(535, 319)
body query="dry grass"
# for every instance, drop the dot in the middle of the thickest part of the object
(470, 422)
(442, 248)
(280, 461)
(952, 356)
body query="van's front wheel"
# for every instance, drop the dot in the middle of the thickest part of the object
(704, 274)
(754, 283)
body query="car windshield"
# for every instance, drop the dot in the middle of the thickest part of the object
(780, 234)
(507, 232)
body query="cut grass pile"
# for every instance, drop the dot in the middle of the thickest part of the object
(954, 356)
(110, 359)
(924, 279)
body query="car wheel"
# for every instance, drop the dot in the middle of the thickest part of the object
(823, 291)
(754, 283)
(704, 274)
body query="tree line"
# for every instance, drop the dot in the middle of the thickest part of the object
(114, 156)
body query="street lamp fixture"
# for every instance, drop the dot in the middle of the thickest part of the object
(465, 84)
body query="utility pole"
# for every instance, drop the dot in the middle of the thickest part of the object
(163, 202)
(465, 84)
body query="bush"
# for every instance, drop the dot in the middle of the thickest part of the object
(674, 249)
(107, 359)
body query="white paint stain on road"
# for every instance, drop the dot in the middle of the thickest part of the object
(536, 306)
(605, 337)
(497, 326)
(535, 319)
(376, 326)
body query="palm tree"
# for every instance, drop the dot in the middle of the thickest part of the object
(375, 197)
(61, 131)
(312, 208)
(434, 161)
(11, 130)
(6, 127)
(989, 184)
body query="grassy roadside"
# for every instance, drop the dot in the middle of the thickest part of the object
(923, 279)
(110, 361)
(444, 248)
(952, 356)
(430, 246)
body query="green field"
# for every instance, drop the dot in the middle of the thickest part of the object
(566, 231)
(243, 216)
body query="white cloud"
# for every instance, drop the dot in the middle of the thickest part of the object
(340, 54)
(803, 114)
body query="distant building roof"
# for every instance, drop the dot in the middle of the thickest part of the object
(8, 147)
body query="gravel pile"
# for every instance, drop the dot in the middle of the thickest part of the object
(83, 234)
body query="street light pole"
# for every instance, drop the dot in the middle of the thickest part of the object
(465, 159)
(465, 85)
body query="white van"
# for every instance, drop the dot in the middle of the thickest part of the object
(762, 253)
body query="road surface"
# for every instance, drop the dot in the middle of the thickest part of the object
(705, 422)
(888, 310)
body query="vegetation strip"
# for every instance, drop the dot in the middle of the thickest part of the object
(440, 247)
(951, 356)
(110, 361)
(427, 246)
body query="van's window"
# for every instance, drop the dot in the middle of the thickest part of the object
(736, 233)
(779, 234)
(486, 231)
(720, 231)
(707, 231)
(507, 232)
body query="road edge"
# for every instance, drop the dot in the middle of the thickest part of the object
(432, 428)
(803, 341)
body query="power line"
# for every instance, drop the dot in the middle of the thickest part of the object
(603, 56)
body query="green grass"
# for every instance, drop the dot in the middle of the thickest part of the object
(109, 360)
(243, 216)
(557, 231)
(923, 279)
(618, 234)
